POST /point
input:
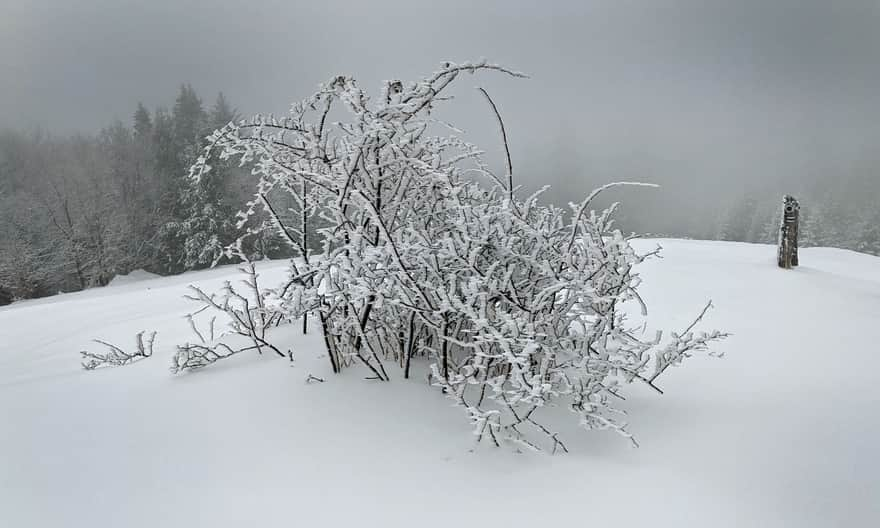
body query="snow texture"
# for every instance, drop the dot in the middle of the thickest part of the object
(784, 431)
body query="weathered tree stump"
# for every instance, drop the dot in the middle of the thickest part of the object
(788, 233)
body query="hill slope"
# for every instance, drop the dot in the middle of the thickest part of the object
(784, 431)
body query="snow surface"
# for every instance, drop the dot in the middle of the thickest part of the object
(783, 431)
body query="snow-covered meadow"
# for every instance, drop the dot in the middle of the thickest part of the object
(783, 431)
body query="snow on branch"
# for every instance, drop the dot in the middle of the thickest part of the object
(117, 357)
(248, 317)
(683, 345)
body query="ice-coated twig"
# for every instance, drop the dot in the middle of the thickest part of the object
(116, 356)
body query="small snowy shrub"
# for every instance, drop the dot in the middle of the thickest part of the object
(428, 253)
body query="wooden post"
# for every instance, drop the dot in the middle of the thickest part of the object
(788, 233)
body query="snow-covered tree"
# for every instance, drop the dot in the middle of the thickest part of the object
(208, 225)
(23, 270)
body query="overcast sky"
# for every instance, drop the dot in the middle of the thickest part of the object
(731, 93)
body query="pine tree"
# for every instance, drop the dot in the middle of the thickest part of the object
(207, 226)
(222, 113)
(190, 124)
(143, 125)
(178, 140)
(165, 154)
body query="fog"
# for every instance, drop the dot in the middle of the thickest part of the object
(713, 100)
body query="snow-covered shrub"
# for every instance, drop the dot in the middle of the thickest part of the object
(428, 252)
(115, 356)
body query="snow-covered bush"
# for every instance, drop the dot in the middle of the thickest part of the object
(428, 252)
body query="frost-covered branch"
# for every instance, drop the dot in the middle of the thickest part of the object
(248, 317)
(116, 356)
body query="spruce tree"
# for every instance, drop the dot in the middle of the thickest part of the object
(222, 112)
(208, 208)
(143, 125)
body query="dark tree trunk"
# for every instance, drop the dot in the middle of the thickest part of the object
(410, 344)
(305, 243)
(328, 344)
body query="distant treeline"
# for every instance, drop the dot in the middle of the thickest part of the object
(76, 211)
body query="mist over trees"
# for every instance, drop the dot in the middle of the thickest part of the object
(842, 213)
(77, 210)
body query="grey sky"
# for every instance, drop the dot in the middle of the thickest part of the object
(708, 93)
